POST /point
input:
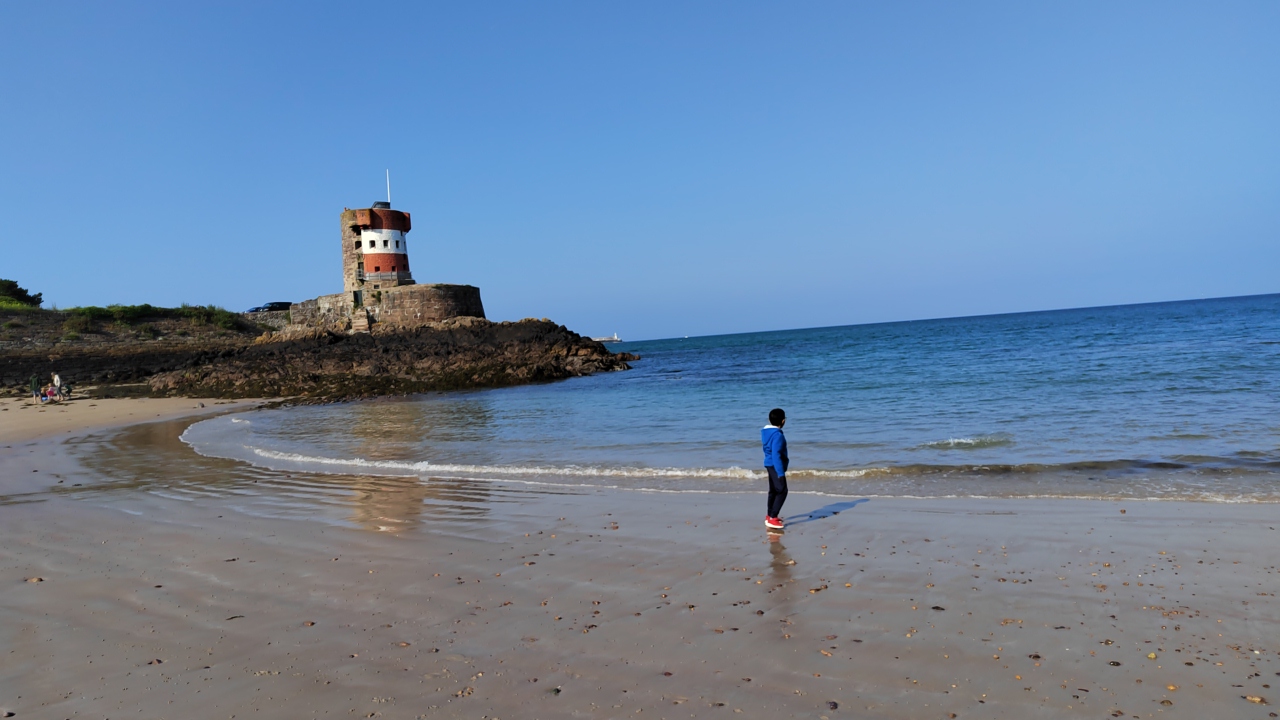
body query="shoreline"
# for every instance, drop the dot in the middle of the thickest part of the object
(450, 598)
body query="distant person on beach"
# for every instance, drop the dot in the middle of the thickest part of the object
(775, 463)
(57, 384)
(35, 387)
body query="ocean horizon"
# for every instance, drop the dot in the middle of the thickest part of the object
(949, 317)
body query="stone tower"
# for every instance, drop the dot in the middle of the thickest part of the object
(375, 255)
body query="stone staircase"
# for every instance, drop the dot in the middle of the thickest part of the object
(360, 321)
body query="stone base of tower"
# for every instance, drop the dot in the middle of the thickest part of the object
(404, 306)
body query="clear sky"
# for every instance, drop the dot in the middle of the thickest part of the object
(656, 169)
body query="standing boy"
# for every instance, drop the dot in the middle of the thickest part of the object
(775, 463)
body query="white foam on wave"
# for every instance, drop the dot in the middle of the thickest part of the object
(428, 468)
(408, 468)
(849, 474)
(969, 443)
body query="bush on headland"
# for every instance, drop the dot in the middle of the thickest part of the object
(131, 314)
(82, 319)
(13, 296)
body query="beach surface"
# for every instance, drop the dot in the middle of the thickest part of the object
(140, 579)
(23, 419)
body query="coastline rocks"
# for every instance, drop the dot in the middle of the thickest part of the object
(453, 354)
(180, 357)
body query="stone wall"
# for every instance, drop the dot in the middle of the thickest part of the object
(351, 257)
(404, 306)
(273, 319)
(411, 305)
(326, 311)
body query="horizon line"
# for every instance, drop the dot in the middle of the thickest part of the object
(959, 317)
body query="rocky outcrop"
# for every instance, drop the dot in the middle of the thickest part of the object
(316, 364)
(449, 355)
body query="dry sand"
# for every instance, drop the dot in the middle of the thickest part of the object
(23, 420)
(166, 585)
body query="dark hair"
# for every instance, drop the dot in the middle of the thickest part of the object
(776, 416)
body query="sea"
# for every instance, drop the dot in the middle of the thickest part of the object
(1163, 401)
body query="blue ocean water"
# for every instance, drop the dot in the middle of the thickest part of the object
(1170, 400)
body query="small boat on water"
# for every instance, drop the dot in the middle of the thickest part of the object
(611, 339)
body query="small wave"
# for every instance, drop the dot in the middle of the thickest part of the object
(967, 443)
(849, 474)
(428, 468)
(420, 468)
(1087, 480)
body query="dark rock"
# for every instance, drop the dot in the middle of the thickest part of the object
(315, 365)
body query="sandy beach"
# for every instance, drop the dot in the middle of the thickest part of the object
(23, 419)
(140, 579)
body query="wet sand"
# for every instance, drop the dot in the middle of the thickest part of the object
(139, 579)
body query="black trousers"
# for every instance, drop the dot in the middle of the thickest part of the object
(777, 492)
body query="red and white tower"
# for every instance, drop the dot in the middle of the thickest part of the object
(375, 254)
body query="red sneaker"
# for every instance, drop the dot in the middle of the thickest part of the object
(773, 522)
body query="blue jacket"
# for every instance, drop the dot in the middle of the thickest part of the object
(775, 449)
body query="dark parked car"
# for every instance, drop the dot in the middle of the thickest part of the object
(271, 307)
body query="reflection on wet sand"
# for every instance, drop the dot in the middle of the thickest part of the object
(397, 429)
(397, 504)
(151, 459)
(781, 566)
(781, 562)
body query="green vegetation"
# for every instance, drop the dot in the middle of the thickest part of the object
(8, 303)
(11, 295)
(69, 336)
(78, 324)
(131, 314)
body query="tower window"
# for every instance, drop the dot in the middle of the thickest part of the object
(397, 243)
(393, 268)
(385, 243)
(377, 268)
(357, 243)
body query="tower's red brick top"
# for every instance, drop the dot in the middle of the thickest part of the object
(379, 219)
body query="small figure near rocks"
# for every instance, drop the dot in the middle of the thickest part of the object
(61, 387)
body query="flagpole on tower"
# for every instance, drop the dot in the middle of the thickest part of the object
(388, 186)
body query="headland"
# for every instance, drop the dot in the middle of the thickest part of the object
(384, 334)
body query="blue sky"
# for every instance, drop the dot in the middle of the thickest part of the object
(655, 169)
